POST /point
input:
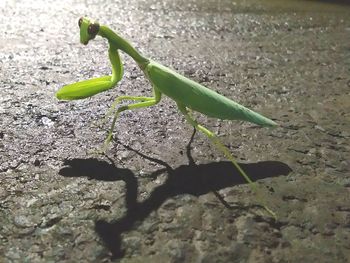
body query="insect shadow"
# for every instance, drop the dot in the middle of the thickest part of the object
(190, 179)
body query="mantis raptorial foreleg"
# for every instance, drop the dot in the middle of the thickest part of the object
(86, 88)
(103, 79)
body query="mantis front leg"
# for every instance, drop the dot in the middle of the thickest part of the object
(87, 88)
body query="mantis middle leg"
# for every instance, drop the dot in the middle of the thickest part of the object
(215, 140)
(145, 102)
(119, 100)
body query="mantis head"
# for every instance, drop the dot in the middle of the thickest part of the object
(88, 30)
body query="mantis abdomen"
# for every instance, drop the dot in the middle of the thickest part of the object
(199, 98)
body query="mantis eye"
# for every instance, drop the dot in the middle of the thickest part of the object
(93, 29)
(80, 21)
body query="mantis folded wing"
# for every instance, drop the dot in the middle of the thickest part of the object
(186, 93)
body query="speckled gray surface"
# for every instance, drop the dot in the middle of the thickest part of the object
(160, 196)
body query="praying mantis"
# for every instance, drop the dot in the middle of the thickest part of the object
(188, 94)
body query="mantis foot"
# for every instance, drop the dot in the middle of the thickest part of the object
(102, 150)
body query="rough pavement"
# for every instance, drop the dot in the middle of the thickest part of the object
(158, 195)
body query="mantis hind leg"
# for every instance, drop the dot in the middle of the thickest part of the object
(215, 140)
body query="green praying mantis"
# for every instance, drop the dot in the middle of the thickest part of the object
(188, 94)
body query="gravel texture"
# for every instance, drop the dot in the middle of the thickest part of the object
(161, 194)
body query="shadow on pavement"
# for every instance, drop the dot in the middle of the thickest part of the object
(186, 179)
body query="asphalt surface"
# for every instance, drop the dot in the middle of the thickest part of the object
(162, 193)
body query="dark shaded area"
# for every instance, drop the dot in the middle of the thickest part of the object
(101, 170)
(93, 168)
(186, 179)
(338, 2)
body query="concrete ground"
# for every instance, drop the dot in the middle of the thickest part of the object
(161, 194)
